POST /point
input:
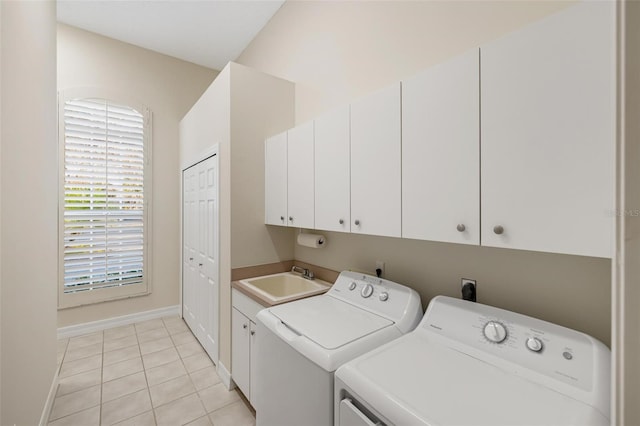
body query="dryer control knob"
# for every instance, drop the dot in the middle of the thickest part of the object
(495, 332)
(352, 286)
(367, 290)
(384, 296)
(534, 344)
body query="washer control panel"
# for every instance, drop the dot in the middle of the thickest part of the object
(525, 345)
(383, 297)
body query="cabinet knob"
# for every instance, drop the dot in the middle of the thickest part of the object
(253, 332)
(191, 258)
(199, 264)
(498, 229)
(341, 221)
(357, 222)
(290, 218)
(244, 326)
(282, 218)
(461, 227)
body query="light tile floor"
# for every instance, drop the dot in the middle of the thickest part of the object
(149, 373)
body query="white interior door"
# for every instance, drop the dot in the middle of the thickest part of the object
(189, 232)
(201, 240)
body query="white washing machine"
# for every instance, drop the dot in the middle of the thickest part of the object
(472, 364)
(299, 345)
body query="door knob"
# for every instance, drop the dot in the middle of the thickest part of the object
(498, 229)
(461, 227)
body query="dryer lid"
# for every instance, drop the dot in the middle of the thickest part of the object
(329, 322)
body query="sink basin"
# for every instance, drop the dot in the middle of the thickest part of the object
(286, 286)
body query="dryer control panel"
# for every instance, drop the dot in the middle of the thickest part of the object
(388, 299)
(526, 346)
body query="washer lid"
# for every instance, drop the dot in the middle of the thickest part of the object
(413, 380)
(329, 322)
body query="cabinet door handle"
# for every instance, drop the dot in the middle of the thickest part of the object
(498, 229)
(253, 332)
(357, 222)
(199, 264)
(341, 221)
(282, 218)
(290, 218)
(461, 227)
(244, 326)
(191, 258)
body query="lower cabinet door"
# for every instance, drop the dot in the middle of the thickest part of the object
(240, 351)
(252, 361)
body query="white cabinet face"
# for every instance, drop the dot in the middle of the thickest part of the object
(276, 180)
(332, 186)
(440, 152)
(240, 350)
(300, 178)
(375, 163)
(548, 134)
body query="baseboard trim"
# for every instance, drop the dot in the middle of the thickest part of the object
(90, 327)
(225, 376)
(46, 411)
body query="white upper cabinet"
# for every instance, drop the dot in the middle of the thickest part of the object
(375, 163)
(275, 191)
(300, 176)
(548, 134)
(440, 152)
(332, 186)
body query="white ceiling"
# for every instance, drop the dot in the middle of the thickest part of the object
(206, 32)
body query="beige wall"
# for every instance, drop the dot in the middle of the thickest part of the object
(169, 87)
(336, 51)
(627, 290)
(237, 97)
(29, 206)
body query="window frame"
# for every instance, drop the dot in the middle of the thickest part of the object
(70, 300)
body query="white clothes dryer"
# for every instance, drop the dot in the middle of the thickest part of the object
(472, 364)
(300, 344)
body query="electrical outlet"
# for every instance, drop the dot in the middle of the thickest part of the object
(467, 281)
(380, 265)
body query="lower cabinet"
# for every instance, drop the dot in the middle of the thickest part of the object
(243, 331)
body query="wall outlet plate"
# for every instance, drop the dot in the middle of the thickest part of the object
(467, 281)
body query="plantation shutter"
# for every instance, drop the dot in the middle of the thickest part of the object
(104, 205)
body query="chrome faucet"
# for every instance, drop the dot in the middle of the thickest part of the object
(304, 271)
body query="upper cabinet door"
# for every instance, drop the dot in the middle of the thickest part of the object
(548, 134)
(375, 163)
(300, 176)
(332, 192)
(275, 176)
(440, 152)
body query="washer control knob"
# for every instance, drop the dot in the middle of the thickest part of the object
(384, 296)
(495, 332)
(534, 344)
(366, 291)
(352, 286)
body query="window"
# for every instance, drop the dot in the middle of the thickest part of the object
(104, 205)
